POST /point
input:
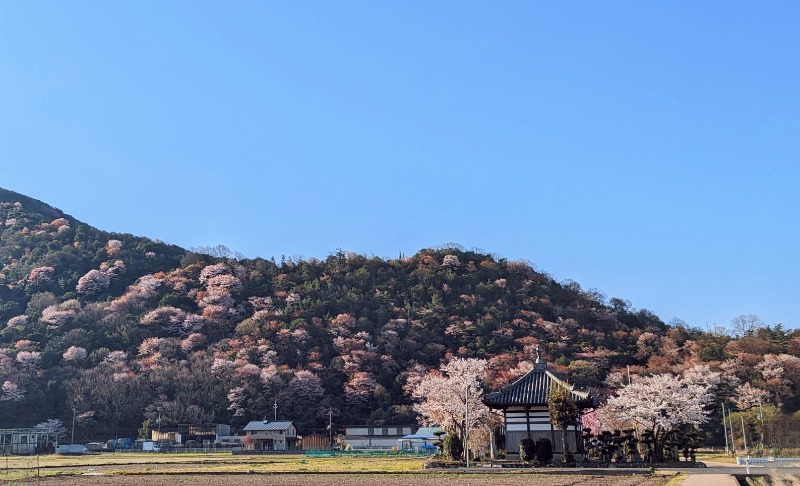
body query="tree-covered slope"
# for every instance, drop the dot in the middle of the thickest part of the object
(44, 250)
(124, 328)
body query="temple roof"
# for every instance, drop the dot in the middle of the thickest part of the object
(531, 390)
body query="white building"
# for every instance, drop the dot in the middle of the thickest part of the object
(376, 436)
(270, 435)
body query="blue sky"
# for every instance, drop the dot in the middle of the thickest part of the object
(646, 149)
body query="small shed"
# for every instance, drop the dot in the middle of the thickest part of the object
(525, 410)
(316, 442)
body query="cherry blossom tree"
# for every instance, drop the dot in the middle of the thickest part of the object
(747, 396)
(113, 247)
(24, 345)
(137, 295)
(169, 318)
(41, 274)
(212, 271)
(193, 341)
(74, 353)
(703, 375)
(18, 321)
(660, 404)
(116, 357)
(360, 386)
(443, 395)
(93, 282)
(225, 282)
(29, 360)
(236, 400)
(306, 386)
(451, 261)
(113, 269)
(53, 427)
(590, 421)
(56, 316)
(342, 324)
(11, 392)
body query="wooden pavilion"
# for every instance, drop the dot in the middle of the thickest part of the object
(525, 410)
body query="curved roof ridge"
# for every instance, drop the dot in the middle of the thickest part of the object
(532, 389)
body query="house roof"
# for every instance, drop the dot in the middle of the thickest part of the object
(533, 389)
(268, 425)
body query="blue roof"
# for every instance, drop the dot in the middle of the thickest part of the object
(268, 425)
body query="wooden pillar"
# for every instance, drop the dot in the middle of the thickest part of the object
(528, 420)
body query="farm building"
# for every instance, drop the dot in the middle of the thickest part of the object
(22, 441)
(271, 435)
(525, 410)
(200, 434)
(376, 436)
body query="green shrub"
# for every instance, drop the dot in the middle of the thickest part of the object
(452, 447)
(544, 450)
(527, 449)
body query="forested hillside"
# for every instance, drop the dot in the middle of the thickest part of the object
(123, 328)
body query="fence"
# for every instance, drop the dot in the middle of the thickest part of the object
(369, 453)
(19, 469)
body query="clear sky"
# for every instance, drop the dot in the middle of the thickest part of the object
(646, 149)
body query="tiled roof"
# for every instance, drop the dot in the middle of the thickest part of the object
(268, 425)
(530, 390)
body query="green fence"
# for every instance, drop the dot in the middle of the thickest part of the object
(368, 453)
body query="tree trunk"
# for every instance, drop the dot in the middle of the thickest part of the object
(658, 446)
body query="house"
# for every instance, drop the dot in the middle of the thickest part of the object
(23, 441)
(424, 439)
(376, 436)
(271, 435)
(525, 410)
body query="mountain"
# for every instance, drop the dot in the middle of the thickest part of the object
(124, 328)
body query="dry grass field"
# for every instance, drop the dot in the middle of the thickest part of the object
(290, 470)
(364, 480)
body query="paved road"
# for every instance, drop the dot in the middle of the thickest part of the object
(721, 474)
(710, 480)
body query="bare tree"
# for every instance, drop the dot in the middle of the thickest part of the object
(746, 325)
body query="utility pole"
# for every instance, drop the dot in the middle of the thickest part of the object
(275, 408)
(72, 439)
(763, 430)
(158, 421)
(725, 428)
(744, 436)
(629, 374)
(330, 427)
(466, 423)
(733, 438)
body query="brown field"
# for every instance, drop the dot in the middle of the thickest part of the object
(226, 469)
(315, 479)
